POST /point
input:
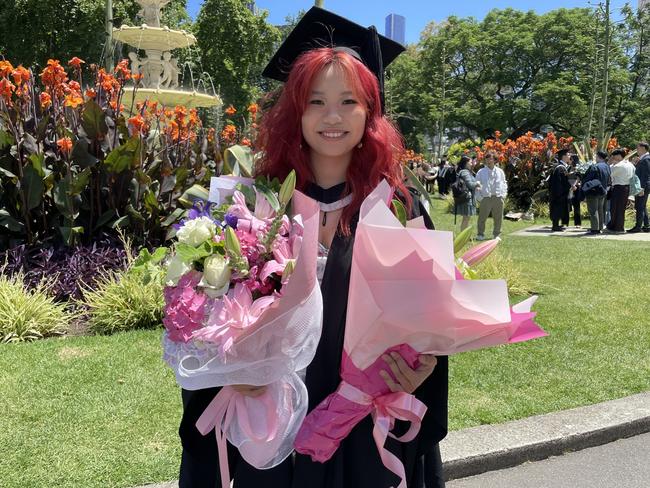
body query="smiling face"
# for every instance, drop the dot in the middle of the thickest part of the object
(334, 120)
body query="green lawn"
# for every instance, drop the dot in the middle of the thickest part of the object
(103, 411)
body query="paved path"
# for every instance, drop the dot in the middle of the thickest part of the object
(621, 464)
(545, 231)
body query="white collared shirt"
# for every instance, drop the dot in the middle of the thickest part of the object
(622, 173)
(493, 183)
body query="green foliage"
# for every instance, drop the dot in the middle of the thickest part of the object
(127, 300)
(235, 46)
(122, 172)
(519, 71)
(29, 314)
(33, 31)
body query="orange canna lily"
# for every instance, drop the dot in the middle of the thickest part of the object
(91, 93)
(138, 124)
(45, 99)
(73, 100)
(231, 110)
(246, 142)
(20, 75)
(5, 69)
(229, 132)
(253, 109)
(65, 145)
(76, 62)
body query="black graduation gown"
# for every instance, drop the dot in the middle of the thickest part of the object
(559, 187)
(356, 463)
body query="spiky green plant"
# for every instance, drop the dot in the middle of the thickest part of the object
(29, 314)
(127, 300)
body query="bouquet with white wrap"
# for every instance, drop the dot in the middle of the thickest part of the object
(235, 338)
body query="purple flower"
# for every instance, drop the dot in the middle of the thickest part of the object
(197, 211)
(231, 220)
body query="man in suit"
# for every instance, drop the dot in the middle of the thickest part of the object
(595, 184)
(559, 187)
(641, 200)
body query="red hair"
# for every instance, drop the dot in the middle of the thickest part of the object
(283, 147)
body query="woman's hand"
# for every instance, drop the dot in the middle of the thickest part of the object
(407, 379)
(249, 390)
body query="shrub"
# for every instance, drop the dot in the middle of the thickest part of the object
(29, 314)
(67, 268)
(127, 300)
(501, 266)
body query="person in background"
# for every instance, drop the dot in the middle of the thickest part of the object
(491, 195)
(641, 200)
(430, 177)
(622, 172)
(446, 176)
(559, 188)
(466, 208)
(575, 195)
(595, 184)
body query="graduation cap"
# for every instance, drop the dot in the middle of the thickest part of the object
(321, 28)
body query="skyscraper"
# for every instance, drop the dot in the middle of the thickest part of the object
(396, 28)
(252, 7)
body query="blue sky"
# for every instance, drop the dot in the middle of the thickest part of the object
(418, 13)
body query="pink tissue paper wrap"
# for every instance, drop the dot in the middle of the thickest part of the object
(405, 295)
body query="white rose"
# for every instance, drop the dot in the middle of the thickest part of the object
(195, 232)
(216, 272)
(175, 269)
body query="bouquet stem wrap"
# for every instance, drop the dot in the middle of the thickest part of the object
(269, 352)
(406, 296)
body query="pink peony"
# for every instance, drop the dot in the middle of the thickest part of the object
(184, 308)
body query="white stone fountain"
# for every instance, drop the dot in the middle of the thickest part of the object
(159, 69)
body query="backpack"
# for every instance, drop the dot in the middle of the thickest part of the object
(460, 191)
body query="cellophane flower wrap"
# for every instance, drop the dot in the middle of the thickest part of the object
(405, 295)
(243, 306)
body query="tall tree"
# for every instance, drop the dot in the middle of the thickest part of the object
(32, 31)
(235, 46)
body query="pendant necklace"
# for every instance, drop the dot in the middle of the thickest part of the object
(331, 207)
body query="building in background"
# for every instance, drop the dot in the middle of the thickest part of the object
(396, 28)
(252, 7)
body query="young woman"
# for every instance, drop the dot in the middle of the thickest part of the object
(468, 208)
(328, 125)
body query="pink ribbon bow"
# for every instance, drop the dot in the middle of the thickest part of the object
(385, 410)
(226, 406)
